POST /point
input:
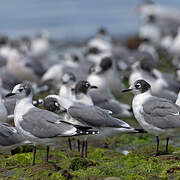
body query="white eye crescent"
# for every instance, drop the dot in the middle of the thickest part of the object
(56, 104)
(138, 85)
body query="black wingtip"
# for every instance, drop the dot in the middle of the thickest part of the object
(87, 132)
(83, 127)
(140, 130)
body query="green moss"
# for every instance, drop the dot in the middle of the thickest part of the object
(101, 163)
(80, 163)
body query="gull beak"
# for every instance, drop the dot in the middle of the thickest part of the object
(126, 90)
(10, 95)
(93, 87)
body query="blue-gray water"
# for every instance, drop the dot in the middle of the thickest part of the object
(70, 19)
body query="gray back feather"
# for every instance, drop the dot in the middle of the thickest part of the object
(103, 102)
(94, 116)
(162, 113)
(44, 124)
(9, 135)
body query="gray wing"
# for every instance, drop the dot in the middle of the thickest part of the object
(162, 113)
(98, 98)
(9, 135)
(95, 116)
(45, 124)
(115, 106)
(10, 105)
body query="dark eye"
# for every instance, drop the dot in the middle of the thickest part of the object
(20, 90)
(137, 86)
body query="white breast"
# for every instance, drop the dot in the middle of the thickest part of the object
(166, 42)
(84, 99)
(65, 92)
(151, 32)
(100, 82)
(21, 108)
(137, 105)
(95, 80)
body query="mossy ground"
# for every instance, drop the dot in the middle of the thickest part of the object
(139, 163)
(106, 158)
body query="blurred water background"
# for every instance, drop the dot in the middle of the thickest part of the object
(70, 19)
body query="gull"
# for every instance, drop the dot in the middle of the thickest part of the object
(37, 125)
(148, 7)
(106, 78)
(8, 81)
(103, 34)
(162, 85)
(84, 93)
(3, 110)
(99, 46)
(150, 30)
(80, 94)
(24, 68)
(40, 46)
(158, 116)
(10, 137)
(91, 116)
(68, 80)
(147, 47)
(70, 62)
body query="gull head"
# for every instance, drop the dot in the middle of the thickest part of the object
(21, 91)
(52, 104)
(83, 87)
(139, 87)
(104, 65)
